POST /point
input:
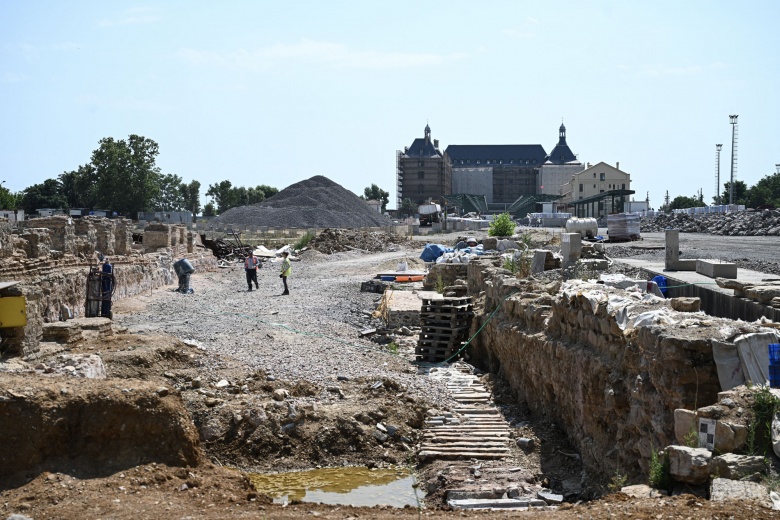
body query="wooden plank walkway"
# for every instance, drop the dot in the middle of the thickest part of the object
(473, 430)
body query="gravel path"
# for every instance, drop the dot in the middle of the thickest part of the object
(311, 335)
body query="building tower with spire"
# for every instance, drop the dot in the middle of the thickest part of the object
(558, 167)
(420, 173)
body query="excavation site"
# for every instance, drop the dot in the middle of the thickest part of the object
(378, 370)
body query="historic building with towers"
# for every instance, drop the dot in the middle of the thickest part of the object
(502, 174)
(420, 172)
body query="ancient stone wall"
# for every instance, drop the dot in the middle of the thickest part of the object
(571, 354)
(55, 285)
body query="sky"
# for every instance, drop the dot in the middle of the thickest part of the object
(273, 93)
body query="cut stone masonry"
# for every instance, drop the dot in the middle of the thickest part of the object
(51, 257)
(572, 356)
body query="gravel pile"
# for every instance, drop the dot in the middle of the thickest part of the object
(744, 223)
(311, 335)
(331, 241)
(317, 202)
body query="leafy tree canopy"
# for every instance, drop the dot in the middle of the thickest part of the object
(48, 194)
(226, 196)
(681, 202)
(408, 207)
(374, 192)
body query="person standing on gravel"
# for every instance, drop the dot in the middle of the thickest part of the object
(251, 263)
(286, 270)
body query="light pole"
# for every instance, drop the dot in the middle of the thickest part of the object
(777, 167)
(733, 121)
(717, 183)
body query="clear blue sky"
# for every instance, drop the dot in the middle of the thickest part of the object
(276, 92)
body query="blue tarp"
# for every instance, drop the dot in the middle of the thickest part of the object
(434, 251)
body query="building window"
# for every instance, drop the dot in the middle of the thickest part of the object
(601, 176)
(624, 185)
(488, 161)
(420, 189)
(581, 188)
(420, 163)
(420, 175)
(594, 175)
(477, 161)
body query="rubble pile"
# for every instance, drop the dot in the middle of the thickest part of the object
(331, 241)
(744, 223)
(317, 202)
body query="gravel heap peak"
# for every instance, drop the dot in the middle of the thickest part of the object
(317, 202)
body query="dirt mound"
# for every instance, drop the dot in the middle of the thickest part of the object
(75, 419)
(317, 202)
(338, 240)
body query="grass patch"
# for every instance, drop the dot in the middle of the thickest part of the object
(303, 241)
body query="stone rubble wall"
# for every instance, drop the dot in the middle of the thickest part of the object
(613, 391)
(743, 223)
(54, 283)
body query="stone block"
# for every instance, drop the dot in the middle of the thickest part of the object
(735, 467)
(728, 437)
(689, 465)
(716, 269)
(724, 489)
(763, 293)
(641, 491)
(686, 304)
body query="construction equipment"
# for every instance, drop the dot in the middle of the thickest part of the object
(228, 250)
(101, 285)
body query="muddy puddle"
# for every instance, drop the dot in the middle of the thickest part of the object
(357, 486)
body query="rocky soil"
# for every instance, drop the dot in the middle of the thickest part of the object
(744, 223)
(265, 383)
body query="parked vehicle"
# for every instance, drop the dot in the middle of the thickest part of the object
(429, 213)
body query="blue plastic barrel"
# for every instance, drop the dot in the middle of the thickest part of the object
(774, 353)
(774, 376)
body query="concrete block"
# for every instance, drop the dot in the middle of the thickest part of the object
(716, 269)
(571, 248)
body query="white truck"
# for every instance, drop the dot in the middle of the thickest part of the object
(429, 213)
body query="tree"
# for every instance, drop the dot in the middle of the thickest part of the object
(682, 202)
(191, 194)
(227, 196)
(208, 210)
(45, 195)
(79, 187)
(169, 197)
(128, 179)
(740, 190)
(223, 194)
(766, 192)
(376, 193)
(9, 200)
(408, 207)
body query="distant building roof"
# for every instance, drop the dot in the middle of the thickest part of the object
(423, 147)
(561, 154)
(496, 154)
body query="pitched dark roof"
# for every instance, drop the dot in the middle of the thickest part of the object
(561, 154)
(419, 148)
(496, 153)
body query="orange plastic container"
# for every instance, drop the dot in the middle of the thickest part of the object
(410, 278)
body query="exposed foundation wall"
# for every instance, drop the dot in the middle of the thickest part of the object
(54, 283)
(614, 391)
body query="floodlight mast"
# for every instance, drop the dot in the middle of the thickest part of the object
(733, 121)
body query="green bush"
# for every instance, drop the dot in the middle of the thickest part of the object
(502, 226)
